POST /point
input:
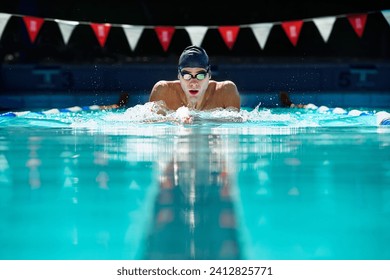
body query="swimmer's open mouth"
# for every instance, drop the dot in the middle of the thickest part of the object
(193, 92)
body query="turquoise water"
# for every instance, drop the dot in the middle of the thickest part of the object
(128, 184)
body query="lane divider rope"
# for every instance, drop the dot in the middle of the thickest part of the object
(73, 109)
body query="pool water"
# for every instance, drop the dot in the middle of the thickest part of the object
(287, 184)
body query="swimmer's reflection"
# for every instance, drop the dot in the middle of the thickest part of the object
(194, 216)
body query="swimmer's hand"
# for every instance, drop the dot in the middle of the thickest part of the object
(181, 115)
(159, 107)
(184, 116)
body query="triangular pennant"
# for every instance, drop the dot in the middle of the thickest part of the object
(33, 25)
(3, 22)
(196, 34)
(101, 31)
(325, 26)
(229, 34)
(133, 33)
(386, 14)
(358, 23)
(66, 28)
(261, 32)
(165, 34)
(292, 30)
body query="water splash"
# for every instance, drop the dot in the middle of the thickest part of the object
(149, 113)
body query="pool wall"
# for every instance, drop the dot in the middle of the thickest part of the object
(336, 83)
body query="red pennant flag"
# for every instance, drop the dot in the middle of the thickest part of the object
(33, 25)
(292, 30)
(101, 31)
(358, 23)
(165, 34)
(229, 34)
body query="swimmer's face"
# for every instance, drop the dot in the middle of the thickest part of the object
(194, 81)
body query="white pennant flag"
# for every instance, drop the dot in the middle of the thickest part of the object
(3, 22)
(386, 14)
(196, 34)
(133, 33)
(325, 26)
(261, 31)
(66, 28)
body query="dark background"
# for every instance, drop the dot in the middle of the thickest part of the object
(185, 12)
(15, 46)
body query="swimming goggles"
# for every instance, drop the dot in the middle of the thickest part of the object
(188, 76)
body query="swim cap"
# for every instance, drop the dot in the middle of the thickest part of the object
(194, 56)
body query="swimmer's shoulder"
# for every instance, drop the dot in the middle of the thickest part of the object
(226, 87)
(162, 84)
(166, 85)
(226, 94)
(162, 88)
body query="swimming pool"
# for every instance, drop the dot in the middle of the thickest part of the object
(286, 184)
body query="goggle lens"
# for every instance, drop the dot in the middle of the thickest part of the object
(199, 76)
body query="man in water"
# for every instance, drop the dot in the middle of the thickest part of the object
(194, 88)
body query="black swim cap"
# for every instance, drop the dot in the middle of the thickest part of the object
(194, 57)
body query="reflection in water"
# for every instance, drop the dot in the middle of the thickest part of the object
(77, 195)
(66, 195)
(323, 196)
(194, 216)
(211, 191)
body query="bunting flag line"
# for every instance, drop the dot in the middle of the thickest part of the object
(3, 22)
(164, 34)
(33, 25)
(229, 34)
(101, 31)
(66, 28)
(386, 15)
(133, 33)
(358, 23)
(325, 26)
(292, 30)
(261, 32)
(196, 34)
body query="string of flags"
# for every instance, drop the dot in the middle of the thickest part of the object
(196, 34)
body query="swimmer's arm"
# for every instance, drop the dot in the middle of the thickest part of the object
(158, 95)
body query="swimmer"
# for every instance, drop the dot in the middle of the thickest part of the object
(193, 90)
(194, 87)
(122, 102)
(286, 102)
